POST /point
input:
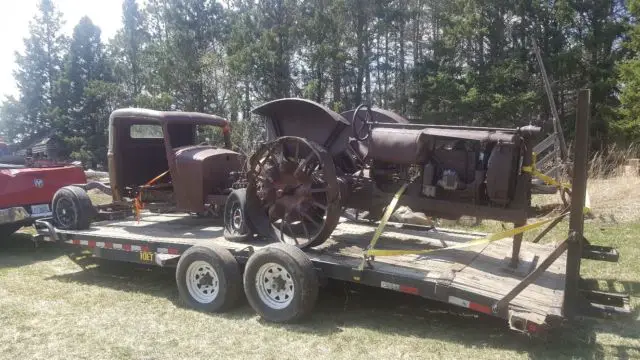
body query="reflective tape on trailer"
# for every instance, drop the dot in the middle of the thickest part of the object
(399, 287)
(123, 247)
(171, 251)
(470, 305)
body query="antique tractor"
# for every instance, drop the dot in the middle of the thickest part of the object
(164, 161)
(317, 163)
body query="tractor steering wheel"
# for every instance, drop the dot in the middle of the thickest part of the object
(362, 127)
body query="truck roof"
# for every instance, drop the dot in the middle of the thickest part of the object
(163, 117)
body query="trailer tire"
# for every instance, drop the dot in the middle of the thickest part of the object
(295, 283)
(72, 208)
(236, 222)
(212, 263)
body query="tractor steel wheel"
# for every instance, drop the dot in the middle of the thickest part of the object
(292, 192)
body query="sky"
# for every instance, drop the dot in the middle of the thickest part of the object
(14, 27)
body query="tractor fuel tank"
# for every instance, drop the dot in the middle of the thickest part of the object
(415, 146)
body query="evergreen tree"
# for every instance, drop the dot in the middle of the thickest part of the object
(463, 62)
(127, 50)
(37, 76)
(86, 82)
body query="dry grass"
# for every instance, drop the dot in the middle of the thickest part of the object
(613, 199)
(610, 162)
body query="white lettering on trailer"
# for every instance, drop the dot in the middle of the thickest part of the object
(390, 286)
(84, 242)
(135, 248)
(117, 246)
(100, 244)
(460, 302)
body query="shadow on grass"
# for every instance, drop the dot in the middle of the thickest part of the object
(19, 250)
(342, 306)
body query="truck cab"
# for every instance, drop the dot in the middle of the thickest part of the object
(182, 158)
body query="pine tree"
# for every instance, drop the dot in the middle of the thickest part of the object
(38, 73)
(127, 50)
(87, 84)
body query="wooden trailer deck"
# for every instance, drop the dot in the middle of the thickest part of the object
(479, 269)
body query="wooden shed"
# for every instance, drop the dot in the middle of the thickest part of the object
(45, 148)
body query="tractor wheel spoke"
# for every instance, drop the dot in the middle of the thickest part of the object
(308, 217)
(318, 205)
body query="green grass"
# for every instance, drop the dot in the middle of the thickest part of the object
(56, 308)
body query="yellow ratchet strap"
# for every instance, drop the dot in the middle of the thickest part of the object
(553, 182)
(485, 240)
(547, 179)
(371, 251)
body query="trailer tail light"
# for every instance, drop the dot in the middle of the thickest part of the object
(525, 326)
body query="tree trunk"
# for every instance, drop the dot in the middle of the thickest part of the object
(402, 79)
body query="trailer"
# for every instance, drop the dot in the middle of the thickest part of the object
(532, 286)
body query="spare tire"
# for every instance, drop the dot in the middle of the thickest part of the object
(236, 223)
(72, 208)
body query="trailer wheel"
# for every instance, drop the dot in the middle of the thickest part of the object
(72, 208)
(236, 226)
(280, 283)
(208, 278)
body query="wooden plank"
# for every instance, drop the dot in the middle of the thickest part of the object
(554, 171)
(551, 156)
(544, 144)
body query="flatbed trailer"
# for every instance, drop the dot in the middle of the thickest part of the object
(476, 277)
(543, 290)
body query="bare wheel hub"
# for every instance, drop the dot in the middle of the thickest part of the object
(202, 281)
(236, 218)
(274, 285)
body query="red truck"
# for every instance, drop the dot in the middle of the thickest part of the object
(26, 193)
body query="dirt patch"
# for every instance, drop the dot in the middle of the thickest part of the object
(99, 198)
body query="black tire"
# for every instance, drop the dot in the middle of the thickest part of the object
(72, 208)
(303, 278)
(236, 224)
(226, 270)
(7, 230)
